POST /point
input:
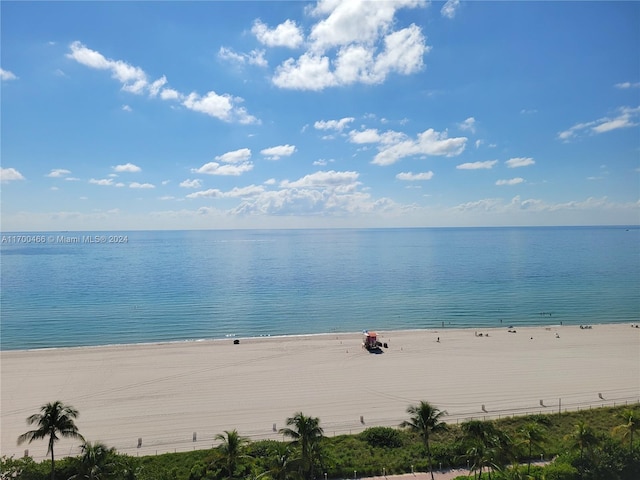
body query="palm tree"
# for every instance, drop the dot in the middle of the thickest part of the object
(54, 418)
(488, 446)
(95, 462)
(583, 437)
(629, 427)
(306, 434)
(425, 420)
(533, 436)
(231, 448)
(280, 465)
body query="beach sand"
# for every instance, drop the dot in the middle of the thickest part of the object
(165, 394)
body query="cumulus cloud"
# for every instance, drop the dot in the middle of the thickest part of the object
(225, 107)
(105, 182)
(254, 57)
(324, 179)
(236, 192)
(127, 167)
(7, 75)
(9, 175)
(627, 117)
(450, 8)
(354, 42)
(275, 153)
(58, 172)
(371, 135)
(429, 142)
(215, 168)
(191, 183)
(141, 185)
(236, 156)
(287, 34)
(338, 125)
(469, 125)
(511, 181)
(520, 162)
(232, 163)
(412, 177)
(486, 165)
(133, 79)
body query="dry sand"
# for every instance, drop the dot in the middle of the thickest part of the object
(167, 393)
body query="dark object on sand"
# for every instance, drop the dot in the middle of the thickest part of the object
(236, 342)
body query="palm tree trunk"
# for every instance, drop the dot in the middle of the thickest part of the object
(53, 466)
(429, 459)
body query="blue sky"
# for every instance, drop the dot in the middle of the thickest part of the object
(181, 115)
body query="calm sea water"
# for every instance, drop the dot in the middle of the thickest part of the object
(189, 285)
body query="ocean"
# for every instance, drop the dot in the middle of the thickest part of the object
(67, 289)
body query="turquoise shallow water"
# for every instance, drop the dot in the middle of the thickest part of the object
(77, 288)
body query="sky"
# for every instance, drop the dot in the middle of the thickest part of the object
(328, 114)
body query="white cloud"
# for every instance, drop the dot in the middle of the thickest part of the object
(58, 172)
(275, 153)
(225, 107)
(324, 179)
(191, 183)
(215, 168)
(105, 182)
(371, 135)
(141, 185)
(477, 165)
(623, 120)
(232, 163)
(354, 42)
(7, 75)
(236, 156)
(469, 125)
(169, 94)
(338, 125)
(520, 162)
(127, 167)
(211, 193)
(450, 8)
(428, 142)
(126, 108)
(627, 117)
(133, 79)
(236, 192)
(255, 57)
(355, 21)
(287, 34)
(626, 85)
(156, 86)
(511, 181)
(10, 174)
(412, 177)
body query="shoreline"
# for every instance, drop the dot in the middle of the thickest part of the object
(166, 392)
(232, 337)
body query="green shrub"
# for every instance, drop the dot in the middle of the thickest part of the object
(382, 437)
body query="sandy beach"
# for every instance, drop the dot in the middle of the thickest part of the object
(178, 396)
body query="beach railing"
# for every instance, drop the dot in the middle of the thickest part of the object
(203, 440)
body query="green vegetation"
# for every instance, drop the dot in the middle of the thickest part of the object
(54, 419)
(586, 445)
